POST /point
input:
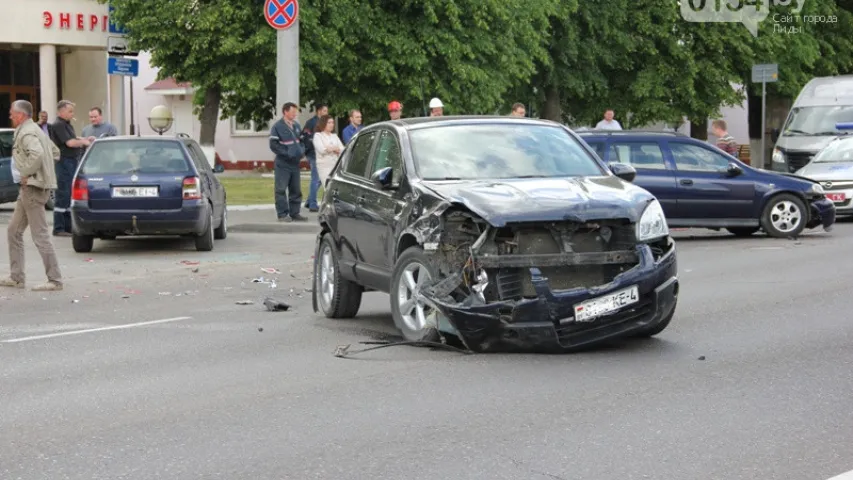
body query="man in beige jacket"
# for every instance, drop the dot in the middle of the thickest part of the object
(33, 155)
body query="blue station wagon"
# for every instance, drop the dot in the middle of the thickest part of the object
(147, 186)
(699, 185)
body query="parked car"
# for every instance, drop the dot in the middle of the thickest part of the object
(701, 186)
(833, 168)
(506, 232)
(147, 186)
(8, 187)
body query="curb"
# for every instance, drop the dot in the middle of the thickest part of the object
(275, 228)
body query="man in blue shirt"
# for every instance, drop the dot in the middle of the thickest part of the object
(353, 127)
(288, 150)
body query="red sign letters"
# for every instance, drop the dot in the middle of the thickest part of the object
(80, 21)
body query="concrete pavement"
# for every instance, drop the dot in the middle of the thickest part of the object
(221, 390)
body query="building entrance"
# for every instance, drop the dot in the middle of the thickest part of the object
(19, 80)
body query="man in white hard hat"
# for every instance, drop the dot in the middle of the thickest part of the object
(436, 108)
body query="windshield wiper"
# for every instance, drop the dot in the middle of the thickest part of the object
(798, 132)
(443, 178)
(532, 176)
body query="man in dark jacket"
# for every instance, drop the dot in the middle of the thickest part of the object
(285, 144)
(320, 109)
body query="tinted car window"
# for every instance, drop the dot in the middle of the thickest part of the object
(360, 157)
(6, 139)
(695, 158)
(638, 154)
(388, 155)
(134, 156)
(500, 151)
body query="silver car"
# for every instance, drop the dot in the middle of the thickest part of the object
(833, 168)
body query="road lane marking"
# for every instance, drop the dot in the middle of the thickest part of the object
(92, 330)
(844, 476)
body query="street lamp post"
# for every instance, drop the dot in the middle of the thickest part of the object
(160, 119)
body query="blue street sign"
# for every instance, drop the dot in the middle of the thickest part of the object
(128, 67)
(115, 29)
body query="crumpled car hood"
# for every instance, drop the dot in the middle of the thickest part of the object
(546, 199)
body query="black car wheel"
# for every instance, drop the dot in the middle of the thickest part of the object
(337, 296)
(413, 272)
(743, 231)
(204, 242)
(658, 328)
(222, 231)
(82, 243)
(784, 216)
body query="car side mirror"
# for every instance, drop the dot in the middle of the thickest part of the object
(383, 178)
(774, 134)
(625, 172)
(733, 170)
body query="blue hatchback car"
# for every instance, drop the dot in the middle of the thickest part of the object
(699, 185)
(147, 186)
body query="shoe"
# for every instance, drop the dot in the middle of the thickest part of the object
(285, 219)
(62, 234)
(9, 283)
(313, 210)
(299, 218)
(48, 287)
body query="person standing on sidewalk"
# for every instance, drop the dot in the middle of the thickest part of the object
(287, 147)
(328, 147)
(33, 155)
(70, 147)
(43, 122)
(320, 110)
(353, 127)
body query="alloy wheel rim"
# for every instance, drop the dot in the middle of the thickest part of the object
(413, 310)
(327, 276)
(786, 216)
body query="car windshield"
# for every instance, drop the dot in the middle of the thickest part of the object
(837, 151)
(818, 121)
(6, 139)
(134, 156)
(493, 151)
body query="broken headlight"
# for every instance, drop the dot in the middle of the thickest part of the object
(652, 224)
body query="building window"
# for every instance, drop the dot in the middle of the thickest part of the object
(244, 128)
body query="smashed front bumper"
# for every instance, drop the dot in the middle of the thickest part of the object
(822, 213)
(547, 322)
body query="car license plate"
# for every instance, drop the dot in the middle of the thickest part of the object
(597, 307)
(136, 192)
(836, 197)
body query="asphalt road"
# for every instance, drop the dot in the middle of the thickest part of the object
(221, 390)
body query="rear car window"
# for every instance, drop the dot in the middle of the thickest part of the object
(6, 139)
(135, 156)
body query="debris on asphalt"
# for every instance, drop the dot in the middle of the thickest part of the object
(165, 294)
(702, 357)
(245, 302)
(260, 329)
(195, 270)
(90, 260)
(75, 301)
(189, 262)
(271, 271)
(343, 351)
(125, 296)
(275, 305)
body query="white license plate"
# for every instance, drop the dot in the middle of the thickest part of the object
(597, 307)
(136, 192)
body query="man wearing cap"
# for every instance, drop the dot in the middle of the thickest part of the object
(436, 108)
(395, 110)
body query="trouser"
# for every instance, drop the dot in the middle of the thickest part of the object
(29, 212)
(288, 189)
(315, 182)
(65, 169)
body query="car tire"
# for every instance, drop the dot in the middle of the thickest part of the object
(221, 232)
(336, 296)
(657, 328)
(411, 316)
(781, 212)
(82, 243)
(743, 231)
(204, 242)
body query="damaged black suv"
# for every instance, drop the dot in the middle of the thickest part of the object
(508, 233)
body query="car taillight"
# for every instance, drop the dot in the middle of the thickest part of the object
(192, 189)
(80, 189)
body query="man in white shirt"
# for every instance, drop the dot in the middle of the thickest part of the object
(608, 123)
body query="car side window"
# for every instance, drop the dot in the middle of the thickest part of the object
(598, 147)
(645, 155)
(388, 154)
(198, 156)
(360, 156)
(697, 159)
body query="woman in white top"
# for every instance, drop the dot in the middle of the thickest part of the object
(327, 145)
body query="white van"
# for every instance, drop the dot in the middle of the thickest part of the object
(823, 102)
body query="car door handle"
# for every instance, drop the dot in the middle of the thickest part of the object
(686, 181)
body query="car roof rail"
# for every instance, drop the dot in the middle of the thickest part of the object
(628, 132)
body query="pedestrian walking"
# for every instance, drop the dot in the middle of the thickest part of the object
(351, 129)
(97, 127)
(725, 141)
(33, 155)
(320, 109)
(395, 110)
(608, 123)
(328, 147)
(436, 108)
(288, 149)
(70, 148)
(517, 110)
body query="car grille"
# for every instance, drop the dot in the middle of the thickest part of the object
(830, 185)
(798, 160)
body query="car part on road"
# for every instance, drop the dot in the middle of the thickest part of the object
(275, 305)
(784, 216)
(343, 351)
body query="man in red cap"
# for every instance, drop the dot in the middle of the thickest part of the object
(395, 110)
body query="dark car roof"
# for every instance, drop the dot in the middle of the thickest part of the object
(423, 122)
(120, 138)
(630, 133)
